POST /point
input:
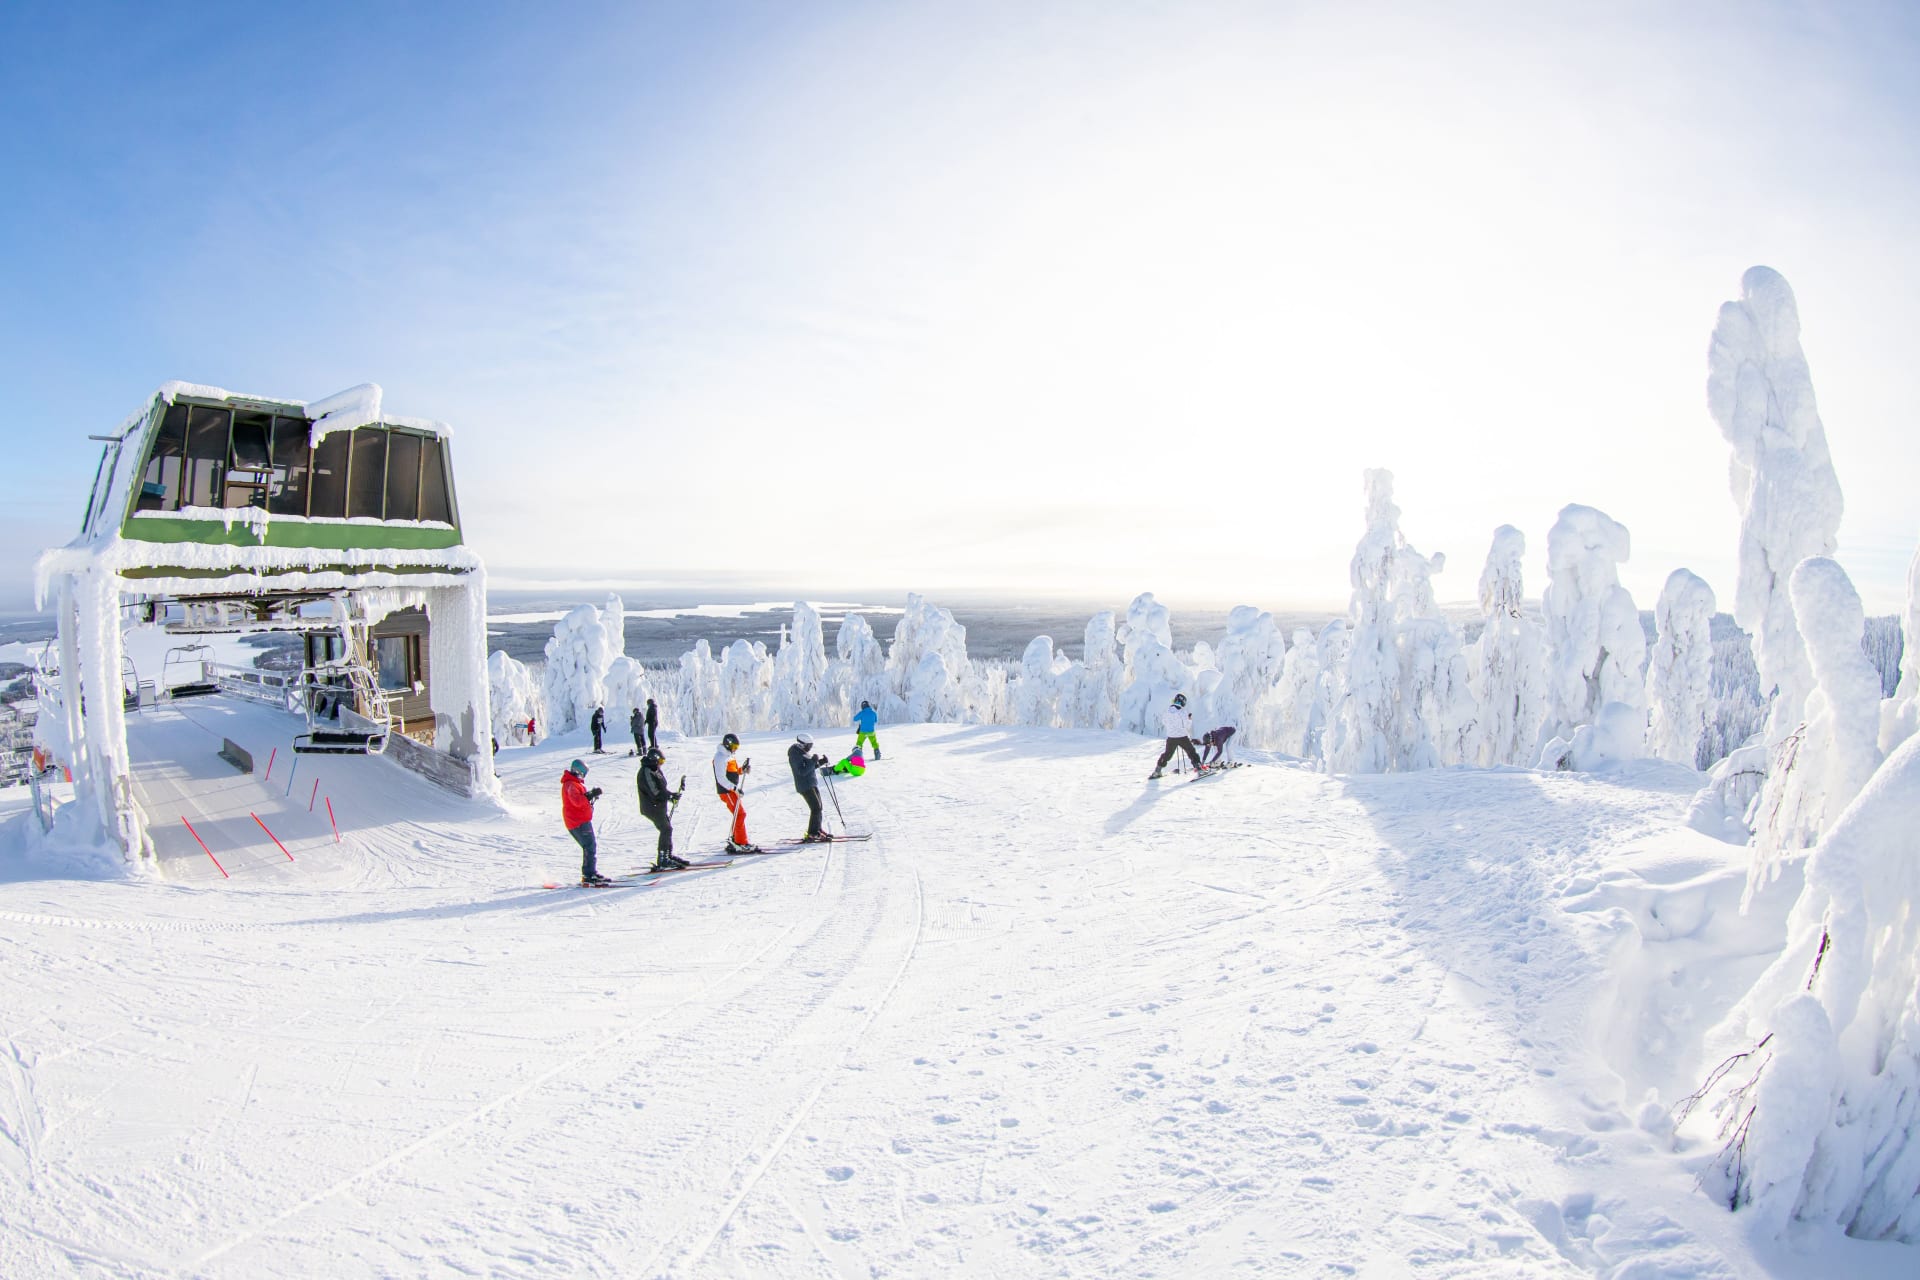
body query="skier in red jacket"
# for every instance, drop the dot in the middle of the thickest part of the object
(576, 813)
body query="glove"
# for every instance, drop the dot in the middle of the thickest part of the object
(819, 760)
(746, 768)
(594, 794)
(676, 795)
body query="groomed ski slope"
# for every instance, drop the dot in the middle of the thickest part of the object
(1052, 1021)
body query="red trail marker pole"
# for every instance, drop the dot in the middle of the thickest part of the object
(276, 839)
(316, 791)
(331, 822)
(270, 755)
(203, 845)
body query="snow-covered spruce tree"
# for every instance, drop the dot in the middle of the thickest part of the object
(1361, 735)
(928, 690)
(699, 704)
(578, 655)
(1099, 677)
(1900, 714)
(1507, 665)
(1284, 711)
(1152, 673)
(746, 687)
(628, 685)
(1761, 395)
(1821, 1119)
(860, 669)
(1403, 698)
(1680, 672)
(1595, 646)
(1817, 771)
(1249, 660)
(1036, 698)
(800, 672)
(513, 698)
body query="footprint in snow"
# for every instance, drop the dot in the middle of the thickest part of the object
(840, 1173)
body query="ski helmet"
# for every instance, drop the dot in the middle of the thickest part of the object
(1179, 699)
(805, 739)
(866, 706)
(730, 742)
(578, 768)
(654, 756)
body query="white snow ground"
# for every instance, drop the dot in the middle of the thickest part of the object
(1051, 1021)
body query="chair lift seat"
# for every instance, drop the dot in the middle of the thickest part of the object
(338, 742)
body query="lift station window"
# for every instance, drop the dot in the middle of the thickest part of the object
(288, 496)
(433, 482)
(160, 483)
(250, 475)
(367, 481)
(329, 495)
(206, 458)
(403, 476)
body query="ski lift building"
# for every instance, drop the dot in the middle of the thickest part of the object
(237, 512)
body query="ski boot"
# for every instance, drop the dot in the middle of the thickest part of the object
(594, 882)
(1155, 774)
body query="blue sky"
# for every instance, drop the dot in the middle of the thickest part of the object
(1073, 297)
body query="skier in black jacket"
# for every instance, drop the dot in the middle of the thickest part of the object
(806, 780)
(655, 799)
(599, 726)
(639, 727)
(653, 725)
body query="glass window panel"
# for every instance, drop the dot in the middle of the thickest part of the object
(288, 494)
(367, 482)
(160, 483)
(248, 477)
(403, 476)
(394, 657)
(433, 482)
(330, 475)
(206, 458)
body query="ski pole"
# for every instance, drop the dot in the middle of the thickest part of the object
(836, 804)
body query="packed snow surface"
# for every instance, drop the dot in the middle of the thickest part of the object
(1052, 1020)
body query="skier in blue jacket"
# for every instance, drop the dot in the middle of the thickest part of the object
(863, 722)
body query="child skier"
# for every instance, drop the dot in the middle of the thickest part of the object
(1215, 742)
(576, 814)
(728, 775)
(656, 803)
(863, 722)
(806, 780)
(1178, 722)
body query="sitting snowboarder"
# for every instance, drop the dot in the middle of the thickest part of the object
(1178, 722)
(656, 806)
(1215, 743)
(853, 766)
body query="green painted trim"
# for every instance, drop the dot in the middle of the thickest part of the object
(289, 532)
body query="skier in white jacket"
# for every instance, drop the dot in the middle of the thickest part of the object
(1179, 725)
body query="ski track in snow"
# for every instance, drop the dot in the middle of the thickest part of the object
(1053, 1020)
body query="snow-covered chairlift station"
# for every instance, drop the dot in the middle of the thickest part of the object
(217, 513)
